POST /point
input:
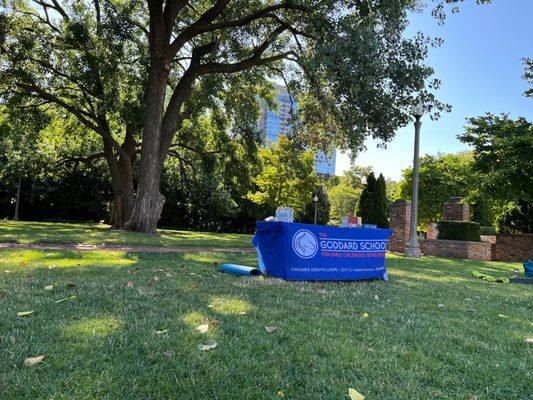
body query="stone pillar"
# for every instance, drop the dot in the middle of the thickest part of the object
(432, 231)
(455, 210)
(400, 215)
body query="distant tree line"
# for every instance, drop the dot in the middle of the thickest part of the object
(495, 178)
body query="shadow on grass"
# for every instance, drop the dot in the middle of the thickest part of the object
(102, 343)
(96, 234)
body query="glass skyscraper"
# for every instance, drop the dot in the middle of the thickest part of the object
(276, 122)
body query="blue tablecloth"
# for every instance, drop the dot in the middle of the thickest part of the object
(313, 252)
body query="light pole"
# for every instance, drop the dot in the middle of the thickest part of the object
(413, 248)
(316, 206)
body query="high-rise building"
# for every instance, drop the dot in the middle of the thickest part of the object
(277, 122)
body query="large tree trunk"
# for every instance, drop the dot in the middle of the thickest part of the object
(148, 201)
(122, 198)
(159, 126)
(121, 179)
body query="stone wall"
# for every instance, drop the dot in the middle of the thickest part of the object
(500, 247)
(455, 210)
(400, 215)
(457, 249)
(513, 247)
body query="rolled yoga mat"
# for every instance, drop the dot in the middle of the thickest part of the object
(240, 270)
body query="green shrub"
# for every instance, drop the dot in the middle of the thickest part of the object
(458, 230)
(487, 230)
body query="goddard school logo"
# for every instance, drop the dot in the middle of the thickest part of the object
(304, 243)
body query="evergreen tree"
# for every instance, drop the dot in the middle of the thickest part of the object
(380, 207)
(373, 202)
(367, 200)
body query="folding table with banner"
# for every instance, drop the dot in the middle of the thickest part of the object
(296, 251)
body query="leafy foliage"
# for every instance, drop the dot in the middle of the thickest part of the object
(344, 200)
(516, 218)
(440, 177)
(503, 155)
(459, 230)
(134, 72)
(287, 177)
(528, 76)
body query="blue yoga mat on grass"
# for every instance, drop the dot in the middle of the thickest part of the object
(240, 270)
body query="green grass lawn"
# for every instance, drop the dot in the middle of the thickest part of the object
(97, 234)
(102, 343)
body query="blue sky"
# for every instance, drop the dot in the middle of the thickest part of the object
(481, 70)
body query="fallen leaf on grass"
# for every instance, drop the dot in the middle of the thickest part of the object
(60, 300)
(270, 329)
(161, 332)
(71, 285)
(129, 284)
(202, 328)
(72, 296)
(214, 322)
(280, 393)
(24, 313)
(195, 286)
(31, 361)
(502, 316)
(208, 346)
(49, 287)
(365, 315)
(355, 395)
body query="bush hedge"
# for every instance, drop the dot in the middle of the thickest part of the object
(487, 230)
(458, 230)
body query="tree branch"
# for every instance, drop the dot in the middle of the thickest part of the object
(82, 116)
(254, 60)
(86, 160)
(195, 150)
(203, 26)
(172, 8)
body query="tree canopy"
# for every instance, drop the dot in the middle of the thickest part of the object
(503, 155)
(287, 176)
(441, 176)
(134, 72)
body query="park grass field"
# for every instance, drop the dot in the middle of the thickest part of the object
(433, 331)
(101, 234)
